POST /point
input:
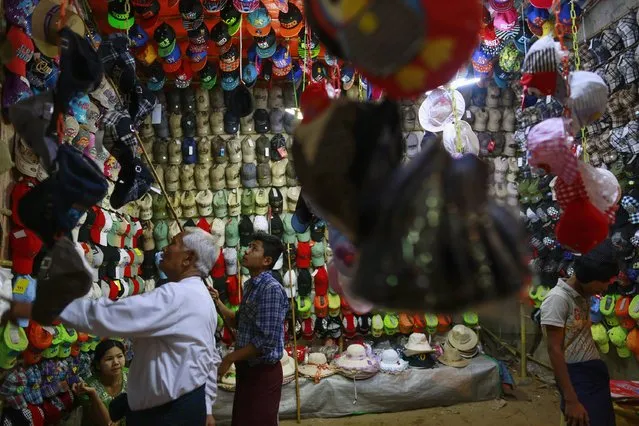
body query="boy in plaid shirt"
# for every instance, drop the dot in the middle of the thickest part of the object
(259, 343)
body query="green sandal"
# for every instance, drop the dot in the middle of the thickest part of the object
(14, 341)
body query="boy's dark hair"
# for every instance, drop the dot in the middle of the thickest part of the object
(599, 264)
(273, 246)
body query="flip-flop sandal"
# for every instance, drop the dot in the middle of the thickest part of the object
(14, 340)
(334, 304)
(431, 323)
(607, 305)
(444, 323)
(321, 306)
(622, 306)
(405, 323)
(391, 324)
(471, 319)
(633, 310)
(378, 325)
(304, 305)
(419, 324)
(612, 321)
(68, 337)
(600, 336)
(39, 337)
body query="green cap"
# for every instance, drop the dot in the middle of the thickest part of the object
(220, 204)
(232, 232)
(317, 253)
(248, 202)
(161, 235)
(289, 236)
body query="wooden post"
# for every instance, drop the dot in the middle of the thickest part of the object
(297, 377)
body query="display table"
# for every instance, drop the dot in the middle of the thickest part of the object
(413, 389)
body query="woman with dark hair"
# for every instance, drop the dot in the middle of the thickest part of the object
(108, 381)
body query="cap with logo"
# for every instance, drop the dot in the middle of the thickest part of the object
(248, 202)
(276, 200)
(259, 22)
(291, 22)
(266, 45)
(220, 204)
(234, 203)
(232, 17)
(261, 201)
(264, 174)
(278, 170)
(262, 121)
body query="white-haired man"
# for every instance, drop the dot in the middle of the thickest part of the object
(173, 377)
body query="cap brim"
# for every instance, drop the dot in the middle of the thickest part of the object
(291, 32)
(259, 32)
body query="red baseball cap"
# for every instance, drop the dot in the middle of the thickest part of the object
(233, 289)
(19, 190)
(25, 245)
(321, 280)
(219, 269)
(19, 48)
(303, 259)
(204, 225)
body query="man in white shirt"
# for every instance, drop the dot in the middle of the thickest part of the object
(582, 377)
(173, 376)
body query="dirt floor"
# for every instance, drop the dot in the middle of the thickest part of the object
(541, 409)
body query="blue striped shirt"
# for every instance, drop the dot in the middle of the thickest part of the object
(260, 318)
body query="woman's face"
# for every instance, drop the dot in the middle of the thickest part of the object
(112, 362)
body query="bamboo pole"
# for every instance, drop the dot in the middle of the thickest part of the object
(522, 331)
(513, 350)
(297, 377)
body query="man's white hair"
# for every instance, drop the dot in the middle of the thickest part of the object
(203, 244)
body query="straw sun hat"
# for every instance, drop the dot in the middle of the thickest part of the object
(464, 340)
(417, 344)
(316, 367)
(357, 362)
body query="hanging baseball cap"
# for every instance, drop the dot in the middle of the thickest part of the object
(197, 59)
(291, 21)
(319, 71)
(231, 17)
(148, 14)
(155, 77)
(173, 61)
(192, 14)
(17, 51)
(165, 37)
(120, 15)
(15, 89)
(220, 34)
(259, 22)
(246, 6)
(307, 45)
(208, 76)
(230, 60)
(281, 58)
(138, 36)
(347, 76)
(183, 76)
(213, 6)
(199, 36)
(230, 80)
(266, 45)
(42, 73)
(44, 29)
(249, 75)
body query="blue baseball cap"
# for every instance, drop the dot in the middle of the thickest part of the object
(281, 58)
(330, 59)
(174, 56)
(138, 36)
(259, 20)
(230, 80)
(78, 107)
(501, 77)
(347, 75)
(295, 75)
(249, 75)
(189, 150)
